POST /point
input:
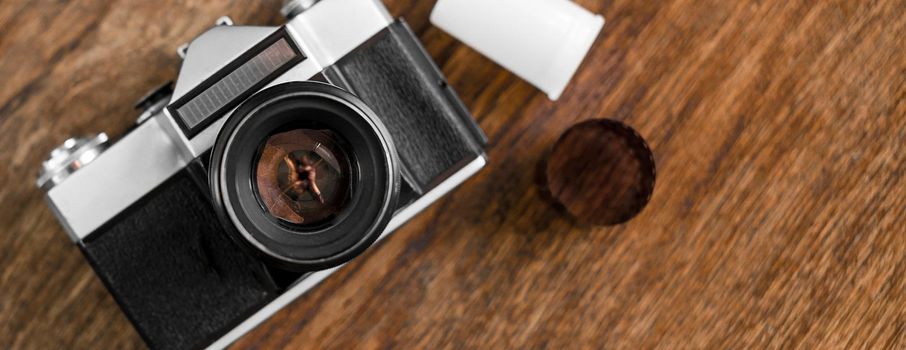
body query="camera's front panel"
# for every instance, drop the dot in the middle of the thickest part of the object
(198, 252)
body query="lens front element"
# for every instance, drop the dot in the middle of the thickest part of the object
(303, 176)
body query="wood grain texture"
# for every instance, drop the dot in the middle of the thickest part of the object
(778, 220)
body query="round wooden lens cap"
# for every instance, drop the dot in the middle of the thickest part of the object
(601, 171)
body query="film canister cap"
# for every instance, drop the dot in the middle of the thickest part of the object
(601, 172)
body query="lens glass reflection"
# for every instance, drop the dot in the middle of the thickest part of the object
(304, 176)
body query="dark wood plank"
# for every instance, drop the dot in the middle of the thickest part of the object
(778, 220)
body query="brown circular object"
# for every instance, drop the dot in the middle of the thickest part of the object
(601, 171)
(303, 176)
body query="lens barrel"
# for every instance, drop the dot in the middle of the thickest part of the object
(305, 175)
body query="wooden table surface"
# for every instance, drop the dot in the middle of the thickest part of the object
(778, 220)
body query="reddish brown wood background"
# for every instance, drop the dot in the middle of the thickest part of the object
(779, 217)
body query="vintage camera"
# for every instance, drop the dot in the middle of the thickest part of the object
(279, 154)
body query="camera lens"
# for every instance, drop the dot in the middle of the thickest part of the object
(303, 176)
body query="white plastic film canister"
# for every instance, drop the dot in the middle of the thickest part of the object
(541, 41)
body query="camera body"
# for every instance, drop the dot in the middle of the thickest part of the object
(339, 117)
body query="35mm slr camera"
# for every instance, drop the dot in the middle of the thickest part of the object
(279, 154)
